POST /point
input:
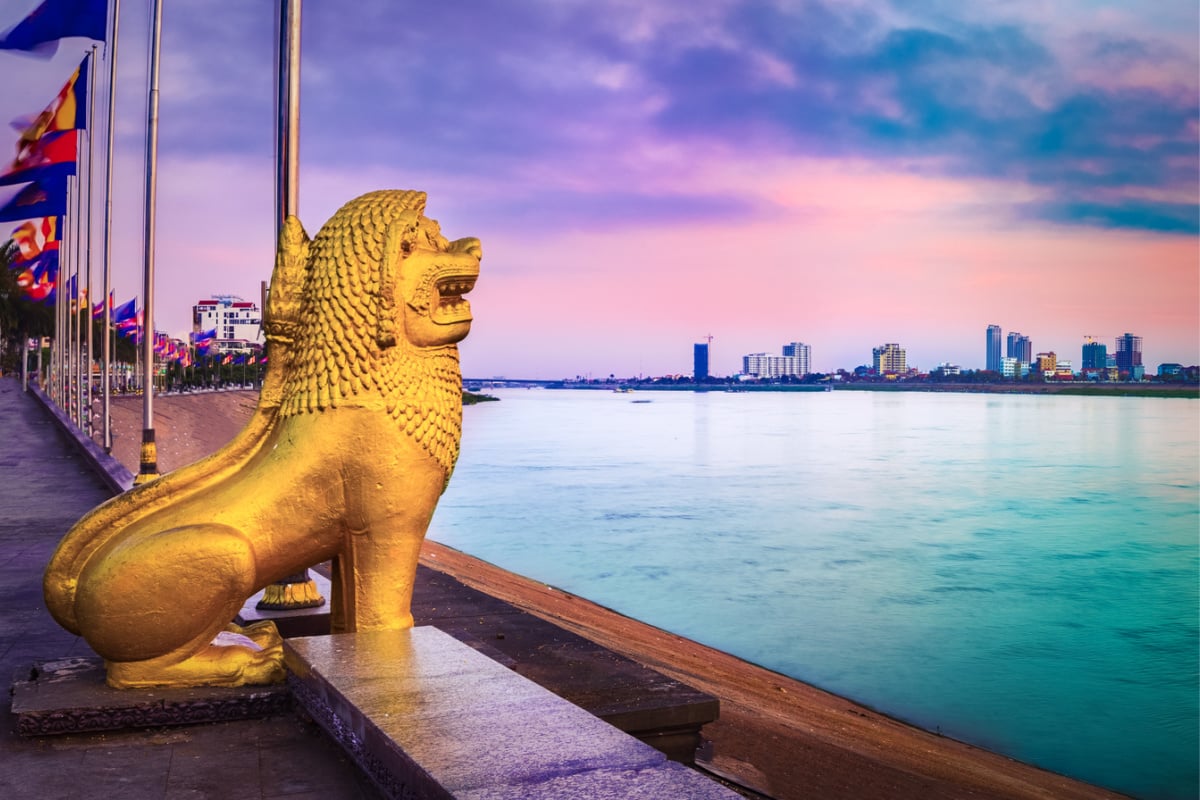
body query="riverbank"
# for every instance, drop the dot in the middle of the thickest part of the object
(1182, 390)
(775, 734)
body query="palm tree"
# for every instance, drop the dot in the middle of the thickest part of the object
(20, 318)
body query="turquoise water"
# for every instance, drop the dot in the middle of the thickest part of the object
(1016, 571)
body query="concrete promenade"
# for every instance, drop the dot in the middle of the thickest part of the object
(45, 486)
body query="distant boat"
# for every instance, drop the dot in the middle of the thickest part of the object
(641, 401)
(623, 390)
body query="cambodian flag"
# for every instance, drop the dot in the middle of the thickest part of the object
(98, 309)
(39, 32)
(125, 311)
(43, 198)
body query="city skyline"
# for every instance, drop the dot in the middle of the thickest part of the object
(642, 176)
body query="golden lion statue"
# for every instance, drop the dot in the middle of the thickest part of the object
(354, 438)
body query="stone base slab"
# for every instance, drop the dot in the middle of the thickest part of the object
(300, 622)
(426, 716)
(70, 696)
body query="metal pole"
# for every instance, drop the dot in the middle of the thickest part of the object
(72, 298)
(148, 470)
(87, 404)
(287, 145)
(108, 172)
(80, 300)
(298, 590)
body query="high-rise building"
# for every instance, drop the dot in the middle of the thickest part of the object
(890, 357)
(1129, 352)
(1095, 355)
(1020, 348)
(802, 353)
(238, 324)
(700, 362)
(994, 335)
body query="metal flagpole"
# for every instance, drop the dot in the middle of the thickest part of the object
(148, 469)
(91, 121)
(56, 344)
(77, 330)
(108, 171)
(299, 590)
(72, 299)
(287, 143)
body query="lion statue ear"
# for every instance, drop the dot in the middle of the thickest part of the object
(398, 242)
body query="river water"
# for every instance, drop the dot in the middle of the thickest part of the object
(1017, 571)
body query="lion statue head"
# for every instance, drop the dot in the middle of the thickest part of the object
(377, 318)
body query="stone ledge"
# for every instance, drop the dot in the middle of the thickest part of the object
(70, 696)
(427, 716)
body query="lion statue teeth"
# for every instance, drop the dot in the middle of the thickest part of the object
(353, 441)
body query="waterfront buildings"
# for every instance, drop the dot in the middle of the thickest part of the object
(994, 335)
(237, 324)
(793, 363)
(1020, 348)
(802, 353)
(766, 365)
(890, 358)
(700, 361)
(1046, 364)
(1095, 355)
(1129, 353)
(1170, 370)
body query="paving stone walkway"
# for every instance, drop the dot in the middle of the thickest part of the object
(45, 486)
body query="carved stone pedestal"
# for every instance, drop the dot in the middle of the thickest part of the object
(69, 695)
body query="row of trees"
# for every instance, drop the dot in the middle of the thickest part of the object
(210, 372)
(21, 319)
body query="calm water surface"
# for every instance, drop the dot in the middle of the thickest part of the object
(1016, 571)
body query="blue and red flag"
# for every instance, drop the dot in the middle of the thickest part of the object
(203, 341)
(55, 154)
(43, 198)
(39, 32)
(98, 309)
(125, 312)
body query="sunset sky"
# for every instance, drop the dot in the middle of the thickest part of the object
(645, 173)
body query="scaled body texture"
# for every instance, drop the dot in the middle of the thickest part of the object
(354, 438)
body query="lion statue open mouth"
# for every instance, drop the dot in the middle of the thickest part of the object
(354, 439)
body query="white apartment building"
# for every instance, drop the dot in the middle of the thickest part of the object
(794, 362)
(765, 365)
(238, 324)
(802, 353)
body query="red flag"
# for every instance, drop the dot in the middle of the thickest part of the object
(52, 154)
